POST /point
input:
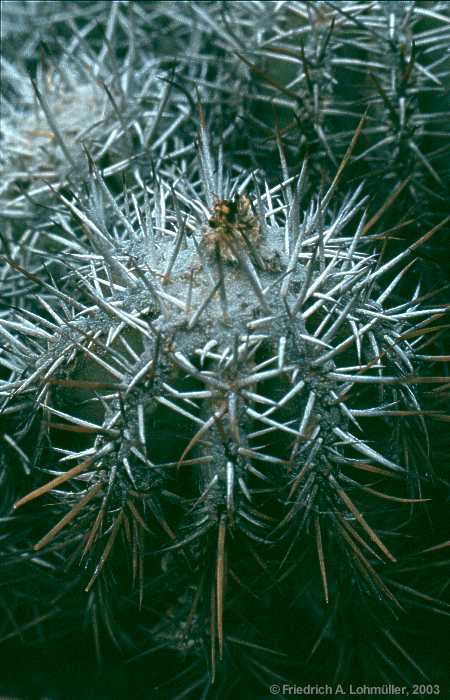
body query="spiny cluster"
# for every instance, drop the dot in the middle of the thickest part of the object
(218, 385)
(227, 364)
(121, 110)
(308, 72)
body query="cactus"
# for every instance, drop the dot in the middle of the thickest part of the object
(218, 392)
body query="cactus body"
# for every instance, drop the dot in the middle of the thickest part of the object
(218, 385)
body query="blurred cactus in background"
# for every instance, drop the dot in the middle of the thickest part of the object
(224, 379)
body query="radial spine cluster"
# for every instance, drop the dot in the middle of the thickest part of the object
(219, 382)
